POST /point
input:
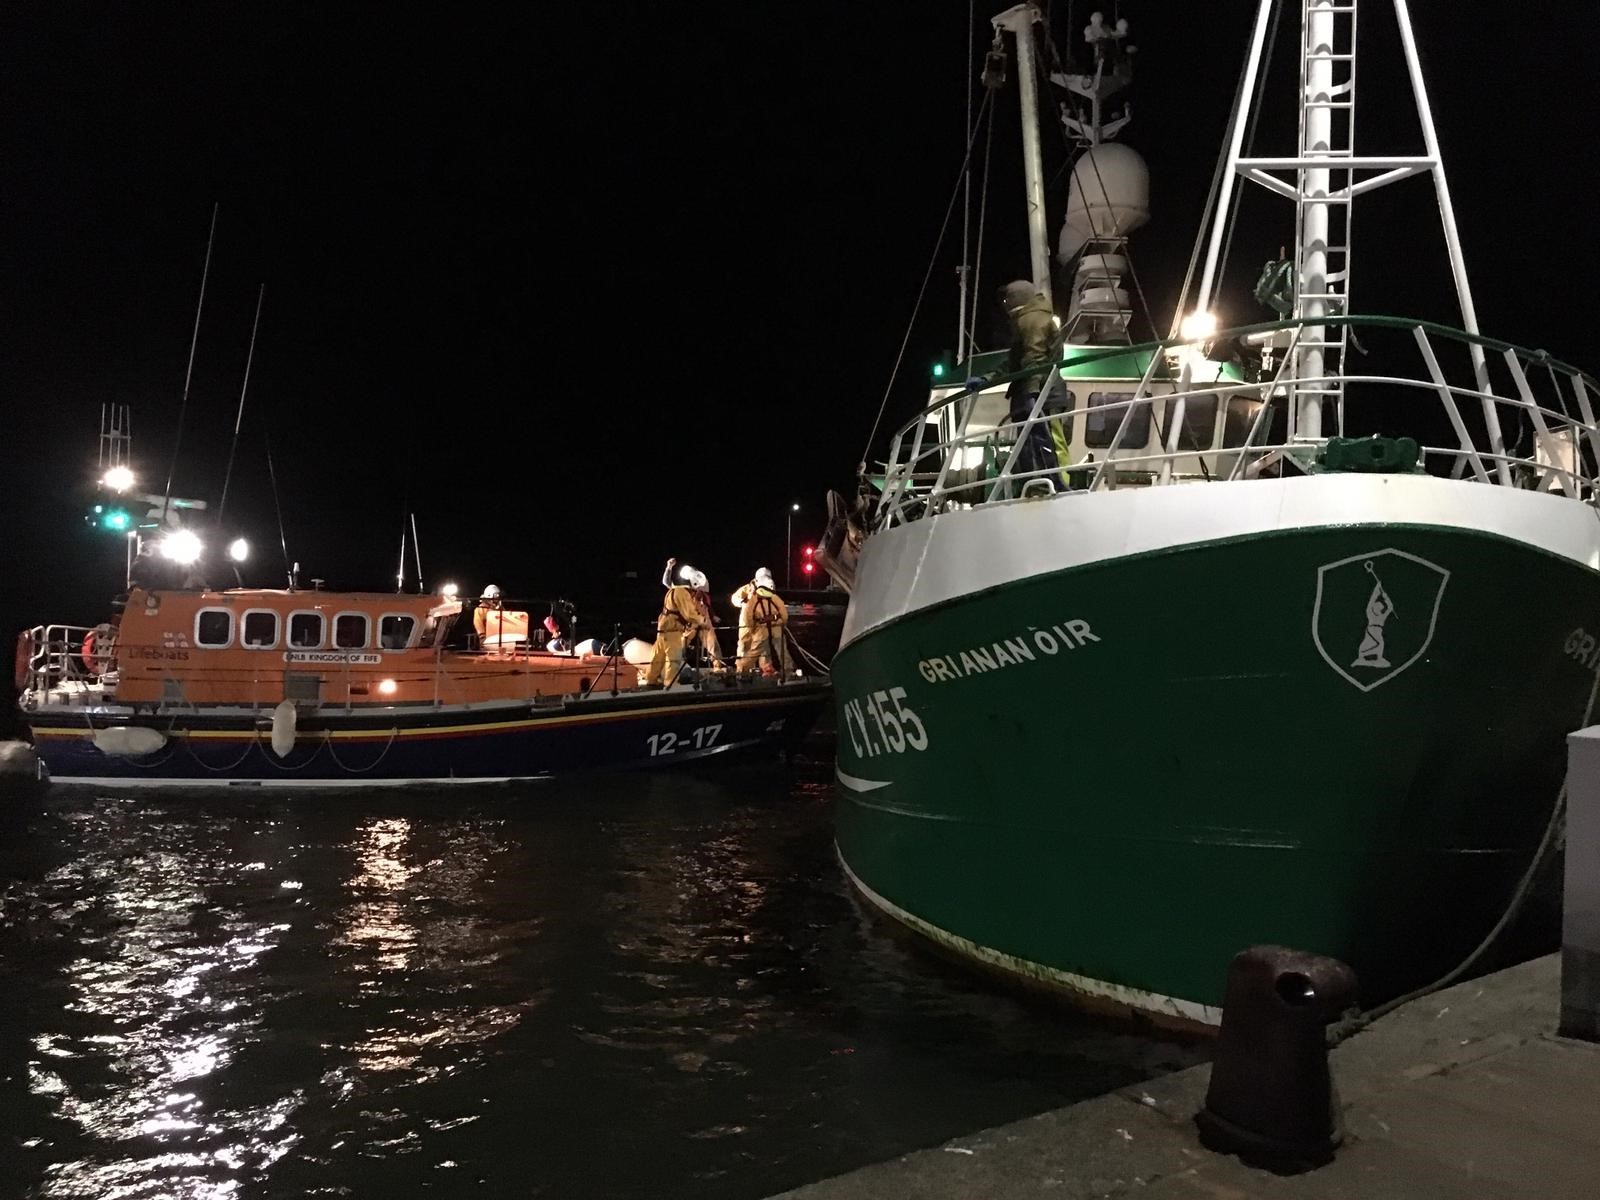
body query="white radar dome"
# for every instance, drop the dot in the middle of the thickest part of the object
(1109, 196)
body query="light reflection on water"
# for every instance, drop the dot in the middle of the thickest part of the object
(631, 985)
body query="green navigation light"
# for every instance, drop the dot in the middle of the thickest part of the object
(938, 370)
(116, 519)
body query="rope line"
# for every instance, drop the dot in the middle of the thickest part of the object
(933, 259)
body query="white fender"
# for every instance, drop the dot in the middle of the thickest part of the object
(131, 741)
(637, 653)
(283, 722)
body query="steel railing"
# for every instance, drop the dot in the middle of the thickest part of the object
(1548, 403)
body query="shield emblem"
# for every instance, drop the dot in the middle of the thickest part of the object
(1375, 613)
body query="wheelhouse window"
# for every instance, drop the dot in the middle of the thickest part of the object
(213, 627)
(1101, 427)
(260, 629)
(1199, 423)
(395, 630)
(350, 631)
(1240, 415)
(305, 630)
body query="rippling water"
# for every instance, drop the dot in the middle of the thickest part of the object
(629, 985)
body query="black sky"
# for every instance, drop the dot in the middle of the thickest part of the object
(588, 288)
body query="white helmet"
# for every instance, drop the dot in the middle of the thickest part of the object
(490, 593)
(685, 575)
(698, 581)
(764, 578)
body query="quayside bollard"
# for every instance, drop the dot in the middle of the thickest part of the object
(1272, 1100)
(1580, 916)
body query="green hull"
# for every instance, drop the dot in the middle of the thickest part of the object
(1216, 746)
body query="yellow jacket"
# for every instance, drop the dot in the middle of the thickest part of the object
(760, 606)
(679, 611)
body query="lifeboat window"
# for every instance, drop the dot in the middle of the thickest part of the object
(305, 630)
(260, 629)
(1101, 426)
(213, 627)
(435, 629)
(350, 631)
(395, 630)
(1241, 414)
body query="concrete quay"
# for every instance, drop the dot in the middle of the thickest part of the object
(1466, 1093)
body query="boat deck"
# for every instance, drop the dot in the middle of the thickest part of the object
(1466, 1093)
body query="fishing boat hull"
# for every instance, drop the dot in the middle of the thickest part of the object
(425, 746)
(1175, 722)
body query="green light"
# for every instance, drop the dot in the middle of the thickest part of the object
(938, 370)
(117, 520)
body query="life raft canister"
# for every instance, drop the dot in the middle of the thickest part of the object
(23, 661)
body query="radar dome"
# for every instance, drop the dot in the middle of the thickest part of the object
(1109, 196)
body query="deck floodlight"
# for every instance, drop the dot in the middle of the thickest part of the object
(182, 546)
(238, 550)
(1198, 326)
(118, 479)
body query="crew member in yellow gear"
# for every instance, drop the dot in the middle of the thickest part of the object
(678, 622)
(763, 617)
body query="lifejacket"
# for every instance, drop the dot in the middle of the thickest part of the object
(766, 608)
(671, 619)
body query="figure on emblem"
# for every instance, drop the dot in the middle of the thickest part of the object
(1379, 609)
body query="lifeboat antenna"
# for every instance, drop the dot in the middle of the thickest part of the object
(188, 374)
(238, 419)
(416, 549)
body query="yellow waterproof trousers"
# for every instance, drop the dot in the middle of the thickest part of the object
(757, 642)
(667, 660)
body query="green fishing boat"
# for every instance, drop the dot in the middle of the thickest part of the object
(1277, 649)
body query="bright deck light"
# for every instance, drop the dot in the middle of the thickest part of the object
(448, 591)
(238, 550)
(182, 547)
(118, 479)
(386, 687)
(1198, 326)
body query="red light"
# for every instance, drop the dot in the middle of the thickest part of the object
(807, 551)
(809, 567)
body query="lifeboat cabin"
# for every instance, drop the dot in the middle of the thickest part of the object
(257, 648)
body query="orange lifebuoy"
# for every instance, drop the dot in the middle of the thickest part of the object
(24, 660)
(96, 658)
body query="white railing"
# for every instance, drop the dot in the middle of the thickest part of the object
(1546, 408)
(56, 661)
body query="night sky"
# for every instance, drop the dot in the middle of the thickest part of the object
(587, 292)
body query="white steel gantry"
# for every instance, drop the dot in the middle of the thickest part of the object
(1328, 175)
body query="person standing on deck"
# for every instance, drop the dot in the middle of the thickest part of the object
(679, 620)
(763, 617)
(708, 630)
(1033, 342)
(487, 620)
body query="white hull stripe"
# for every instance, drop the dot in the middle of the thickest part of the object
(929, 562)
(857, 784)
(1152, 1003)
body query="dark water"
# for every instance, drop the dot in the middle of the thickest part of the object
(628, 985)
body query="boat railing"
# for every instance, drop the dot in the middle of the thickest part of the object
(1500, 414)
(62, 659)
